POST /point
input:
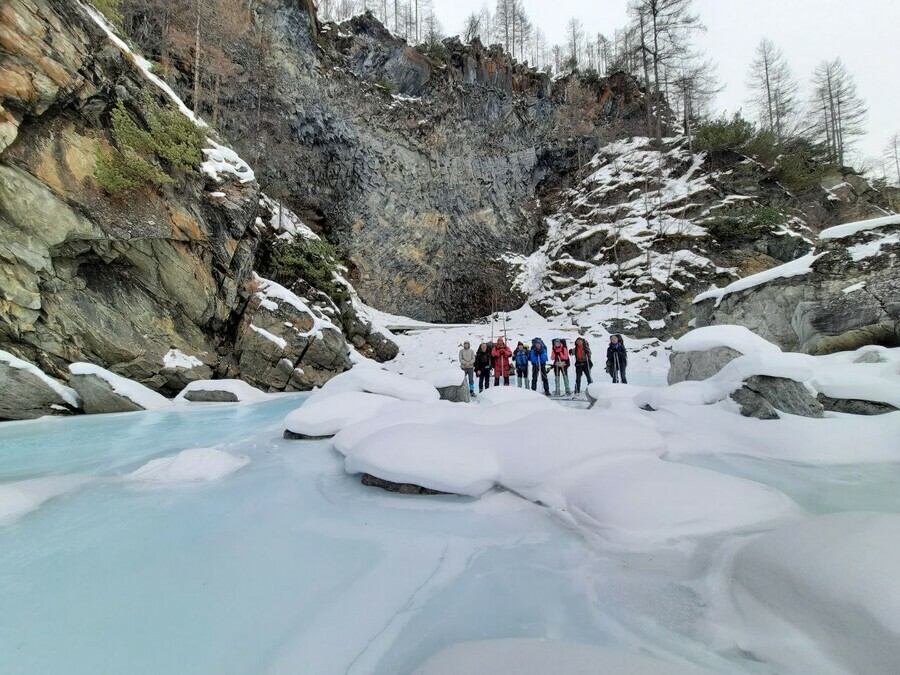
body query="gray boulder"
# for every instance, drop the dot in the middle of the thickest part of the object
(855, 406)
(99, 397)
(699, 365)
(457, 393)
(762, 396)
(403, 488)
(26, 395)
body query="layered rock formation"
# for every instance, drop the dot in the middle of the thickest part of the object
(127, 282)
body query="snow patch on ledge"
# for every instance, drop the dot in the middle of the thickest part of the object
(849, 229)
(794, 268)
(223, 160)
(177, 359)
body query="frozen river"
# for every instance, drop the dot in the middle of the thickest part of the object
(291, 566)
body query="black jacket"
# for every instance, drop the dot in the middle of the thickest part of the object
(617, 349)
(482, 360)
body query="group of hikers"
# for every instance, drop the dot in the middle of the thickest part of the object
(500, 359)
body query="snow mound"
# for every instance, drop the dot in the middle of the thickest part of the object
(242, 391)
(835, 578)
(646, 498)
(447, 376)
(25, 496)
(526, 656)
(509, 394)
(383, 382)
(738, 338)
(67, 394)
(193, 465)
(326, 415)
(134, 391)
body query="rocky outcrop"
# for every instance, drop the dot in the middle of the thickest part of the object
(458, 393)
(845, 295)
(27, 393)
(762, 396)
(854, 406)
(99, 396)
(122, 282)
(402, 488)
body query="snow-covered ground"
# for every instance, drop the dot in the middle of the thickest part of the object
(685, 539)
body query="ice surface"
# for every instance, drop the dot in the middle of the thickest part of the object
(134, 391)
(194, 464)
(540, 657)
(67, 394)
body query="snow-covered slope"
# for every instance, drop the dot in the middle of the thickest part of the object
(630, 244)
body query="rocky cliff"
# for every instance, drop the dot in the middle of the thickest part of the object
(424, 167)
(156, 283)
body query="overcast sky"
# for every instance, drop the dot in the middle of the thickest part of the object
(864, 33)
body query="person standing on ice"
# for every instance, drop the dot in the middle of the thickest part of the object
(560, 360)
(501, 354)
(538, 358)
(521, 358)
(616, 359)
(582, 363)
(483, 367)
(467, 363)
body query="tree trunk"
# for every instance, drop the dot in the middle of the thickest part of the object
(646, 78)
(197, 59)
(656, 76)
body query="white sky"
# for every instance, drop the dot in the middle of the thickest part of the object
(864, 33)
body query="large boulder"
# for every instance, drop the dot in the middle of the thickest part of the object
(762, 395)
(103, 391)
(699, 365)
(26, 392)
(456, 393)
(854, 406)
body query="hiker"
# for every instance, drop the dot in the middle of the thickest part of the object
(538, 357)
(560, 360)
(521, 358)
(467, 363)
(583, 363)
(616, 359)
(501, 354)
(483, 367)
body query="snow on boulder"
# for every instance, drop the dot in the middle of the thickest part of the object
(24, 496)
(497, 395)
(102, 391)
(27, 392)
(739, 338)
(324, 416)
(192, 465)
(644, 498)
(529, 656)
(377, 381)
(834, 577)
(444, 456)
(405, 412)
(221, 391)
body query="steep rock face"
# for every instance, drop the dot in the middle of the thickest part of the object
(843, 295)
(648, 227)
(423, 189)
(115, 282)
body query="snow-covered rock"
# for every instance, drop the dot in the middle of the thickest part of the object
(324, 416)
(221, 391)
(103, 391)
(27, 392)
(384, 382)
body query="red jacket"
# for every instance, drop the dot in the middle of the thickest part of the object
(501, 354)
(560, 357)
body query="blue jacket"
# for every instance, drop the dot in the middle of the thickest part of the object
(522, 358)
(538, 353)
